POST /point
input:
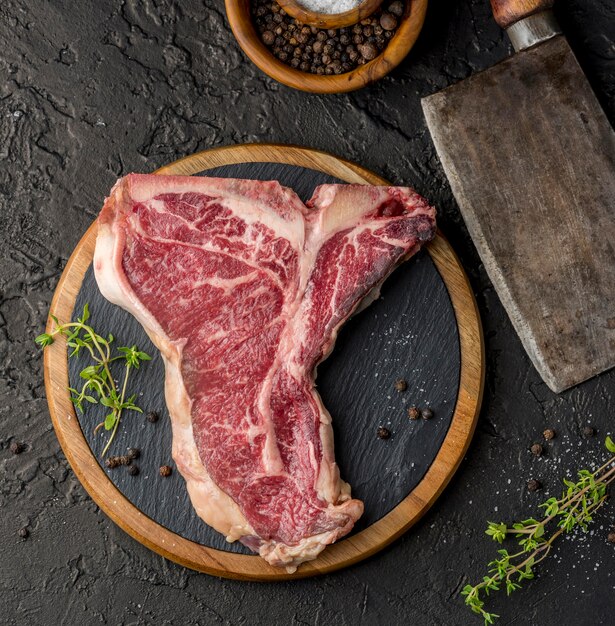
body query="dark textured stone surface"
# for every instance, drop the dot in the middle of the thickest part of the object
(94, 89)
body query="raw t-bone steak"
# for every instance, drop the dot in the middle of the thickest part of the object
(243, 289)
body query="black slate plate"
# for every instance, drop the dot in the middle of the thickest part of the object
(409, 332)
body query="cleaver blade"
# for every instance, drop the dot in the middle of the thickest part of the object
(530, 157)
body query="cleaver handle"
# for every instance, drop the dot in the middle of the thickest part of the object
(507, 12)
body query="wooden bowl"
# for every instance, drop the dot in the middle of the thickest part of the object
(410, 24)
(329, 20)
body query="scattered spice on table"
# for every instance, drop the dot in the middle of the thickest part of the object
(165, 471)
(152, 417)
(24, 533)
(133, 470)
(325, 51)
(133, 453)
(16, 447)
(611, 537)
(588, 431)
(413, 413)
(427, 413)
(534, 485)
(548, 434)
(537, 449)
(401, 385)
(112, 462)
(383, 433)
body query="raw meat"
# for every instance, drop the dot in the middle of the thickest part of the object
(243, 288)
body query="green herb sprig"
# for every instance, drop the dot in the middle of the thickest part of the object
(99, 385)
(574, 509)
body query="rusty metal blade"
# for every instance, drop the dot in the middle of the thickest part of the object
(530, 157)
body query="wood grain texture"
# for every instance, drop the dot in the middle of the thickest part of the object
(347, 551)
(238, 12)
(530, 157)
(507, 12)
(329, 20)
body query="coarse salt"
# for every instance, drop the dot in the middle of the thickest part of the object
(329, 6)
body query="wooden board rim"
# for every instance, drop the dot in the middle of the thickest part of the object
(247, 567)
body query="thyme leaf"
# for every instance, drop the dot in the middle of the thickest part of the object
(574, 509)
(99, 386)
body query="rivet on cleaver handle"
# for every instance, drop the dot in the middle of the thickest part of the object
(530, 157)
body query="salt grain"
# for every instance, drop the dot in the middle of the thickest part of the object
(330, 6)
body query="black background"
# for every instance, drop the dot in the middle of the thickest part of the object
(95, 89)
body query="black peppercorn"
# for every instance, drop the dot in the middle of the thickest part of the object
(268, 38)
(16, 447)
(611, 537)
(383, 433)
(133, 470)
(124, 460)
(24, 533)
(533, 485)
(427, 414)
(388, 21)
(414, 413)
(112, 462)
(536, 449)
(368, 51)
(588, 431)
(294, 62)
(401, 385)
(549, 434)
(397, 8)
(152, 417)
(165, 471)
(134, 453)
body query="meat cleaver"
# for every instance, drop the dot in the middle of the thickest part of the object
(530, 157)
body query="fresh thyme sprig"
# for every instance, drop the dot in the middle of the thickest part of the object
(574, 509)
(99, 385)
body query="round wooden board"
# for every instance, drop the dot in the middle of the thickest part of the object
(228, 564)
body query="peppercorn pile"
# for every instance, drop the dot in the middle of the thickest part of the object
(317, 51)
